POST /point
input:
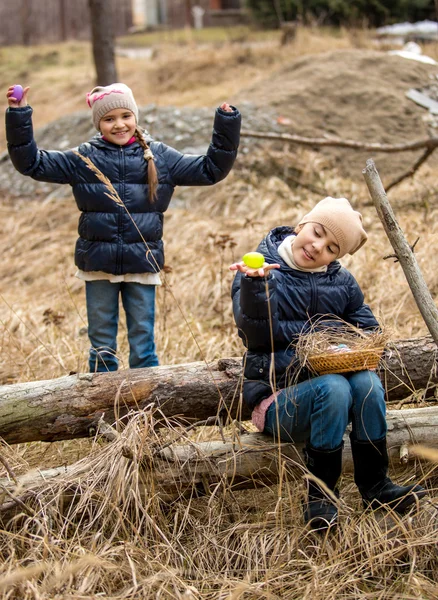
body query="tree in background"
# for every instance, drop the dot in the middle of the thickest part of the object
(103, 41)
(271, 13)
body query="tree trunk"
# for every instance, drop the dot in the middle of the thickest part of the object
(70, 407)
(248, 461)
(103, 40)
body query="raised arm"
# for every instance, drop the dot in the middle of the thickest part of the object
(207, 169)
(54, 167)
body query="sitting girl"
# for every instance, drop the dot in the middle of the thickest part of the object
(300, 281)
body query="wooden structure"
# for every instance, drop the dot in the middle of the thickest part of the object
(176, 14)
(29, 22)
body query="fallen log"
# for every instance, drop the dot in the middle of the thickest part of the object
(70, 407)
(246, 461)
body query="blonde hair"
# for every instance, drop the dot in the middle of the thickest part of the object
(152, 169)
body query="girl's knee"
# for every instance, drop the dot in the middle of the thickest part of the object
(336, 389)
(367, 385)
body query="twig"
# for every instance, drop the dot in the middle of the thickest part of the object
(407, 259)
(17, 501)
(107, 431)
(395, 255)
(8, 469)
(410, 172)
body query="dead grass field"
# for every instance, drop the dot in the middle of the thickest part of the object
(232, 545)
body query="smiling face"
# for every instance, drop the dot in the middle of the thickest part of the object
(118, 126)
(314, 246)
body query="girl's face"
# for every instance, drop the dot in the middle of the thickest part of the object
(118, 126)
(314, 246)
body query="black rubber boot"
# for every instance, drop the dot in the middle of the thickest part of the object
(371, 476)
(320, 511)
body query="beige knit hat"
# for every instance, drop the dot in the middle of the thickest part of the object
(103, 99)
(337, 215)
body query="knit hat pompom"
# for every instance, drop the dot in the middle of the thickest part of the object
(337, 215)
(103, 99)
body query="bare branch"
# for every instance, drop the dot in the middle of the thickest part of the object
(410, 172)
(429, 143)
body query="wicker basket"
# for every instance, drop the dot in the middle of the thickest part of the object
(344, 362)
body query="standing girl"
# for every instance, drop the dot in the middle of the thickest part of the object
(120, 250)
(308, 282)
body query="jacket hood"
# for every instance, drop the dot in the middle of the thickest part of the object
(269, 248)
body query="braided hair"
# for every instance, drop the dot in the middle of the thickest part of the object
(152, 169)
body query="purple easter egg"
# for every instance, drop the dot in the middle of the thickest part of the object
(17, 92)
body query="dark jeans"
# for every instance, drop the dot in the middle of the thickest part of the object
(319, 410)
(103, 319)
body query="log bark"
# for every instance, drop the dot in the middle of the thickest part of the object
(255, 459)
(71, 406)
(248, 461)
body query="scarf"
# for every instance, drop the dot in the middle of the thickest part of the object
(285, 251)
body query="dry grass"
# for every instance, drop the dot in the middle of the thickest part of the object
(334, 334)
(102, 531)
(119, 540)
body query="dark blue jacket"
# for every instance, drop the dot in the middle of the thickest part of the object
(108, 239)
(296, 298)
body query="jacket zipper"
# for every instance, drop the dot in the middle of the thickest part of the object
(120, 215)
(313, 295)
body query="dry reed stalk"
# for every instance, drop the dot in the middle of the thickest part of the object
(103, 178)
(430, 454)
(114, 196)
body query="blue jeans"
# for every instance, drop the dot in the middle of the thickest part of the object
(319, 410)
(103, 319)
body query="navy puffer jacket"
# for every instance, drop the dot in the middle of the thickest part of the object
(108, 239)
(296, 298)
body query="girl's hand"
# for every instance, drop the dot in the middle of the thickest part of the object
(226, 107)
(13, 102)
(261, 272)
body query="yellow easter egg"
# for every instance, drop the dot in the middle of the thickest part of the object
(254, 260)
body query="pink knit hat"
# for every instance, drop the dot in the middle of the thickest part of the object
(337, 215)
(103, 99)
